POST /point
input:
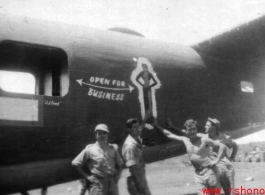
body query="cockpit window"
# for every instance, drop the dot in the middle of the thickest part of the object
(17, 82)
(247, 87)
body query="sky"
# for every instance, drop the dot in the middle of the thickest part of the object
(184, 22)
(255, 137)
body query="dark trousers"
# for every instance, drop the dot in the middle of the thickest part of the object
(133, 187)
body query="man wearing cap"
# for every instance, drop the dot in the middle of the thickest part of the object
(213, 128)
(104, 164)
(225, 167)
(206, 174)
(132, 152)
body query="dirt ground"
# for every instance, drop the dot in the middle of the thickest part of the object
(174, 176)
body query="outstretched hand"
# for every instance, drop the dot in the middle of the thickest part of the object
(169, 123)
(147, 115)
(154, 122)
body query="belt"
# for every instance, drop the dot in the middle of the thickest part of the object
(200, 168)
(102, 177)
(99, 176)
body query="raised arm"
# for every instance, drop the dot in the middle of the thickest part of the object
(170, 125)
(146, 117)
(168, 134)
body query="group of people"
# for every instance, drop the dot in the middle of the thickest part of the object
(100, 164)
(207, 153)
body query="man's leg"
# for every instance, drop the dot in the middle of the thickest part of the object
(82, 187)
(200, 181)
(132, 186)
(207, 182)
(213, 181)
(144, 182)
(202, 189)
(112, 186)
(227, 175)
(100, 187)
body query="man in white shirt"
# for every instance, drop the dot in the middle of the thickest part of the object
(104, 163)
(132, 152)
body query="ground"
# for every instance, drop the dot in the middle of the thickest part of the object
(174, 176)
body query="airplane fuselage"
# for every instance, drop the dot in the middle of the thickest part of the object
(84, 77)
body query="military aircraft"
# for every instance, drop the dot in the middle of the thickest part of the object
(79, 77)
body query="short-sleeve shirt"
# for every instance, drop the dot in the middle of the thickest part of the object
(100, 161)
(132, 152)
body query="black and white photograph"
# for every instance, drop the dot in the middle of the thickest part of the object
(125, 97)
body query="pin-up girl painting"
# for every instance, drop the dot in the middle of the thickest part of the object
(147, 82)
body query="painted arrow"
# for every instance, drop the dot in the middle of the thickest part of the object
(80, 81)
